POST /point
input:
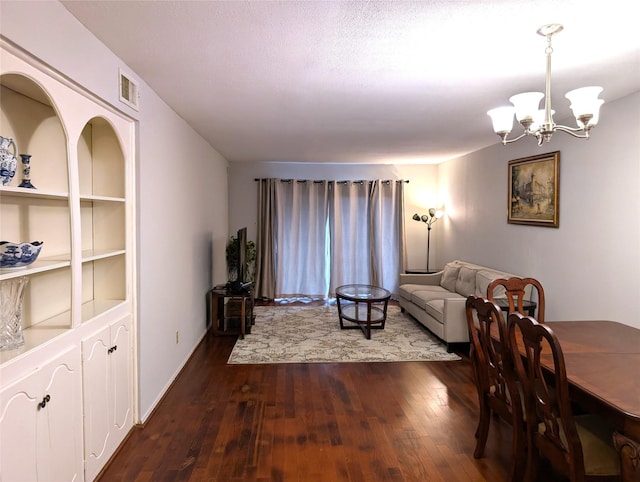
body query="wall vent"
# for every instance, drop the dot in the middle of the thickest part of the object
(128, 90)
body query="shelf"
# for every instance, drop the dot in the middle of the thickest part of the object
(95, 254)
(101, 199)
(38, 334)
(32, 193)
(357, 313)
(38, 266)
(94, 308)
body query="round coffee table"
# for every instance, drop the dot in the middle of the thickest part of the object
(363, 305)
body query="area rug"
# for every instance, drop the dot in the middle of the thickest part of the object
(312, 334)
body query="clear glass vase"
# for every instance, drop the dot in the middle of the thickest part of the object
(11, 294)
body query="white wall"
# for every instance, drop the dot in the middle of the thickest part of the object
(181, 194)
(420, 194)
(590, 265)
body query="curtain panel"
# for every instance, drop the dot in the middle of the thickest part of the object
(314, 236)
(265, 259)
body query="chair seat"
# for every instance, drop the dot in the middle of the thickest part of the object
(600, 456)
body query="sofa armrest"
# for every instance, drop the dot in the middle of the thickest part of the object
(456, 329)
(432, 279)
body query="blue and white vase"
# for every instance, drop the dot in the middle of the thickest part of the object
(8, 161)
(26, 171)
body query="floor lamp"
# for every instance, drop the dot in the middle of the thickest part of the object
(433, 216)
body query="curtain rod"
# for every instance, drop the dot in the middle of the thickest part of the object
(361, 181)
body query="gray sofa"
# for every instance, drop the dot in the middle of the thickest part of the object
(438, 300)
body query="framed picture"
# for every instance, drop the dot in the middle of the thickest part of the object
(534, 190)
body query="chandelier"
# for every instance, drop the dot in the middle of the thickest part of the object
(539, 122)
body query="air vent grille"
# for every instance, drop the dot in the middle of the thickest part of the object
(128, 90)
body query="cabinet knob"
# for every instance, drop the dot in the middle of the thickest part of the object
(112, 349)
(45, 400)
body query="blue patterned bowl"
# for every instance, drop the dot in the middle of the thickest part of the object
(18, 255)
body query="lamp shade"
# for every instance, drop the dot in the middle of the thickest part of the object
(526, 105)
(502, 118)
(584, 101)
(596, 115)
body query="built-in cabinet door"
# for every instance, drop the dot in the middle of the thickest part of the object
(96, 392)
(107, 389)
(121, 379)
(41, 425)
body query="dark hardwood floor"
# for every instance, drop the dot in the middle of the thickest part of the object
(326, 422)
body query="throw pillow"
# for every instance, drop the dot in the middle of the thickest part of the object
(449, 277)
(466, 282)
(484, 278)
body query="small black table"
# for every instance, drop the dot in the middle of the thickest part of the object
(528, 306)
(230, 311)
(364, 305)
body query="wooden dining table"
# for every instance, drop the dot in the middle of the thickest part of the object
(602, 360)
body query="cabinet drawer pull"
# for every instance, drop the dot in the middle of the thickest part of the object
(112, 349)
(45, 400)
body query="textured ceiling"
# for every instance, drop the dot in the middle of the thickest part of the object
(362, 82)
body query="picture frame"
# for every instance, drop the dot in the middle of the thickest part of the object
(534, 190)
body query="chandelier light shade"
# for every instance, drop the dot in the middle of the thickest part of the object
(537, 122)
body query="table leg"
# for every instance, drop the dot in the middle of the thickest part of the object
(629, 451)
(243, 319)
(215, 317)
(384, 312)
(339, 312)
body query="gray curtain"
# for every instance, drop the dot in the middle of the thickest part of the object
(316, 235)
(265, 262)
(367, 233)
(349, 232)
(386, 224)
(301, 239)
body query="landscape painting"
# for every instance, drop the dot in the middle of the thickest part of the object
(534, 184)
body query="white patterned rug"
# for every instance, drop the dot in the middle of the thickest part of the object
(312, 334)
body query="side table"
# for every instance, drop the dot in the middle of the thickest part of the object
(528, 306)
(230, 312)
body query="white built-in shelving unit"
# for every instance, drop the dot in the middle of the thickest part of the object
(79, 302)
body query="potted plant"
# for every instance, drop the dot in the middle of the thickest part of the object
(232, 254)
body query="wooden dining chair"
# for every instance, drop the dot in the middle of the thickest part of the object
(515, 289)
(497, 390)
(629, 451)
(581, 447)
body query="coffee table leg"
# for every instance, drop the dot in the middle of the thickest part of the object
(340, 313)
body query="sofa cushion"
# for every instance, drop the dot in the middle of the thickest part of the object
(484, 277)
(421, 298)
(407, 290)
(466, 282)
(449, 276)
(436, 309)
